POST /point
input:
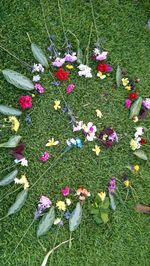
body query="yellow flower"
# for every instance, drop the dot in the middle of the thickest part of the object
(69, 66)
(15, 123)
(135, 119)
(127, 183)
(61, 205)
(102, 195)
(133, 144)
(105, 137)
(52, 142)
(33, 95)
(101, 75)
(97, 150)
(125, 82)
(22, 181)
(68, 202)
(98, 113)
(128, 88)
(136, 168)
(57, 105)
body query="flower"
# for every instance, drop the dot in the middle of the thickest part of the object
(112, 185)
(89, 131)
(65, 191)
(25, 102)
(139, 132)
(15, 123)
(102, 56)
(70, 88)
(70, 57)
(108, 137)
(74, 143)
(101, 75)
(55, 83)
(61, 74)
(67, 215)
(98, 113)
(44, 157)
(103, 67)
(136, 168)
(102, 196)
(146, 103)
(82, 193)
(39, 88)
(134, 144)
(68, 202)
(57, 105)
(22, 181)
(133, 96)
(52, 142)
(97, 150)
(84, 71)
(36, 78)
(125, 81)
(69, 67)
(128, 87)
(128, 103)
(142, 141)
(44, 203)
(78, 126)
(28, 119)
(127, 183)
(58, 62)
(17, 152)
(22, 161)
(135, 119)
(57, 221)
(37, 68)
(61, 205)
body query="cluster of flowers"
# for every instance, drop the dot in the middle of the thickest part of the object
(138, 140)
(103, 68)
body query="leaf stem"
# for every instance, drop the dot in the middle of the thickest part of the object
(70, 239)
(87, 48)
(92, 9)
(7, 194)
(29, 37)
(61, 19)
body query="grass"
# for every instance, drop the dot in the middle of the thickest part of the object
(122, 24)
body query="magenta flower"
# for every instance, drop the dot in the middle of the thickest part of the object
(39, 88)
(44, 157)
(65, 191)
(112, 185)
(127, 103)
(70, 88)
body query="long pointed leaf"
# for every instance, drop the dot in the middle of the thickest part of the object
(39, 55)
(46, 222)
(118, 76)
(18, 204)
(12, 142)
(75, 218)
(5, 110)
(141, 154)
(112, 202)
(135, 108)
(8, 178)
(18, 80)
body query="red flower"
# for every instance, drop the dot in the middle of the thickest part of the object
(61, 74)
(142, 141)
(102, 67)
(133, 96)
(25, 102)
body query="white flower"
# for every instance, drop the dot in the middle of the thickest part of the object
(71, 142)
(90, 131)
(37, 68)
(78, 126)
(96, 51)
(139, 131)
(85, 71)
(36, 78)
(57, 221)
(98, 113)
(22, 161)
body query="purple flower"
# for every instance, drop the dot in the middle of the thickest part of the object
(56, 83)
(44, 203)
(143, 113)
(58, 62)
(146, 103)
(112, 185)
(39, 88)
(109, 68)
(70, 57)
(107, 137)
(67, 215)
(113, 137)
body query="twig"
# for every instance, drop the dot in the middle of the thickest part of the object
(51, 251)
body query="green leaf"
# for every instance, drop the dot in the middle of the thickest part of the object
(75, 218)
(97, 219)
(79, 56)
(118, 76)
(112, 202)
(46, 222)
(8, 178)
(105, 204)
(104, 216)
(18, 204)
(18, 80)
(12, 142)
(5, 110)
(141, 154)
(94, 211)
(135, 108)
(39, 55)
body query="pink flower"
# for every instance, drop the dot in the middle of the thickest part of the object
(25, 102)
(44, 157)
(127, 103)
(70, 88)
(70, 57)
(58, 62)
(65, 191)
(39, 88)
(101, 56)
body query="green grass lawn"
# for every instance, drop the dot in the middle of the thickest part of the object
(122, 24)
